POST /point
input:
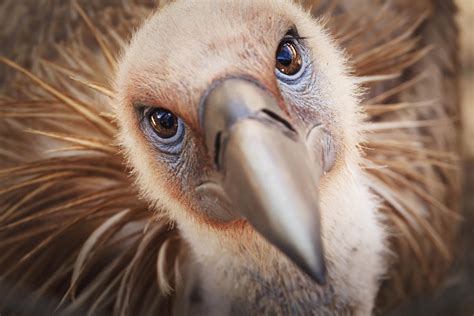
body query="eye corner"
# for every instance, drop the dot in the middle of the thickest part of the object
(141, 109)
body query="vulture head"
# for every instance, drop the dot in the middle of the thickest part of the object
(241, 122)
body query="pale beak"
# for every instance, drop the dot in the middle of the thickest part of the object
(266, 170)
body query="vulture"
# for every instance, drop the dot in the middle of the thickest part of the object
(244, 157)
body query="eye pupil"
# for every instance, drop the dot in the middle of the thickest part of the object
(288, 58)
(166, 119)
(164, 123)
(285, 55)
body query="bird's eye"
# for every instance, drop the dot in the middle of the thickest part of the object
(164, 123)
(288, 58)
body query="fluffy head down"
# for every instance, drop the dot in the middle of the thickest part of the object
(171, 61)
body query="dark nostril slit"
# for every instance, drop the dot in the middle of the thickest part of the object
(217, 148)
(277, 118)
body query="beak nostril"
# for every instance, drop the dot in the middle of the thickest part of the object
(279, 119)
(217, 149)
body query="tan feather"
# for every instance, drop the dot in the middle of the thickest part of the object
(404, 153)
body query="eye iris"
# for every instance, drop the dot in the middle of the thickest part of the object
(164, 123)
(288, 59)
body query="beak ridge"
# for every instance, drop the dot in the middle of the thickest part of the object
(266, 169)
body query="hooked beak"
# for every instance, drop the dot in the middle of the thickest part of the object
(266, 170)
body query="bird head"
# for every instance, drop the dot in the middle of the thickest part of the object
(241, 123)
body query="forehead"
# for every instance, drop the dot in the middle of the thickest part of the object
(211, 24)
(186, 45)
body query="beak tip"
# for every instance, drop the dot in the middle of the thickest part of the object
(316, 271)
(319, 274)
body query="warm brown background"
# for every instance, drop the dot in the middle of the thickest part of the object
(456, 297)
(466, 22)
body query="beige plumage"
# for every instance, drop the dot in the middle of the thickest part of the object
(72, 225)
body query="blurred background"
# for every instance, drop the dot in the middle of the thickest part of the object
(456, 296)
(466, 22)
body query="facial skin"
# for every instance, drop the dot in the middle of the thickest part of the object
(172, 63)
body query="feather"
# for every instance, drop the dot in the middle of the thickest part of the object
(410, 156)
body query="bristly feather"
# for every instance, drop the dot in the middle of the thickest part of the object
(71, 223)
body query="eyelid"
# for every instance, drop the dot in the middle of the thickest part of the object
(143, 109)
(293, 34)
(141, 106)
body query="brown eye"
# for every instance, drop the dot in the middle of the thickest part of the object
(288, 58)
(164, 123)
